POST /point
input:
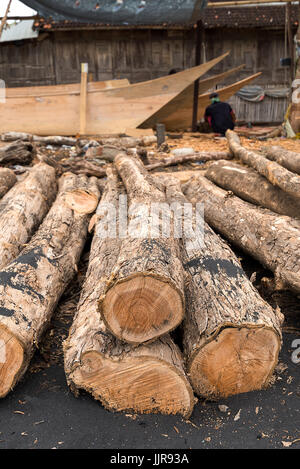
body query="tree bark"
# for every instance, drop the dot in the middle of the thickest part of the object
(147, 378)
(286, 158)
(33, 283)
(83, 167)
(7, 180)
(52, 140)
(231, 336)
(129, 142)
(16, 153)
(201, 156)
(144, 298)
(272, 239)
(23, 208)
(247, 184)
(276, 174)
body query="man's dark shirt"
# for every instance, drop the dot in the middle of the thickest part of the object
(219, 116)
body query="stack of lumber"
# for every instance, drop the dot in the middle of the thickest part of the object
(33, 282)
(138, 289)
(272, 239)
(145, 378)
(143, 284)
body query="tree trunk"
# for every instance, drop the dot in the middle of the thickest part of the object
(83, 167)
(130, 142)
(148, 378)
(16, 153)
(52, 140)
(7, 180)
(271, 239)
(276, 174)
(33, 283)
(286, 158)
(144, 298)
(249, 185)
(23, 208)
(201, 156)
(231, 336)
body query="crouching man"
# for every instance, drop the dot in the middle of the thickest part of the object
(219, 115)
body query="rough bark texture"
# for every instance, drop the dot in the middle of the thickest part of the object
(23, 208)
(148, 378)
(16, 153)
(83, 167)
(130, 142)
(201, 156)
(144, 298)
(249, 185)
(32, 284)
(272, 239)
(7, 180)
(286, 158)
(231, 336)
(52, 140)
(276, 174)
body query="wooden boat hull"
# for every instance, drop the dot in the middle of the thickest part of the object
(56, 111)
(177, 114)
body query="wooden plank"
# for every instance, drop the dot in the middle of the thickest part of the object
(175, 120)
(74, 88)
(184, 101)
(83, 97)
(108, 111)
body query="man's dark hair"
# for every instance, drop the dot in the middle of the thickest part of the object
(213, 95)
(173, 71)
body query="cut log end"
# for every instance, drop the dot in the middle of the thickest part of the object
(142, 308)
(238, 360)
(139, 384)
(82, 202)
(11, 361)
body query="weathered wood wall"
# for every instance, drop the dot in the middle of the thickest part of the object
(143, 55)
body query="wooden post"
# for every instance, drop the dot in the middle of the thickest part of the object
(290, 39)
(199, 40)
(4, 19)
(83, 97)
(160, 134)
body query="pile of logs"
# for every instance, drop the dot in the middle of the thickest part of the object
(141, 286)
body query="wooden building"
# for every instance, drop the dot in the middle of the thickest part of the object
(255, 35)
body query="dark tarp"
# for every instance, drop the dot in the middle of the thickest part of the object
(120, 12)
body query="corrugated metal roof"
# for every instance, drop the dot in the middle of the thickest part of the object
(120, 12)
(19, 31)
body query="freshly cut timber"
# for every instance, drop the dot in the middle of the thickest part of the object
(275, 173)
(7, 180)
(32, 284)
(272, 239)
(176, 114)
(107, 110)
(144, 298)
(147, 378)
(16, 153)
(231, 336)
(199, 156)
(286, 158)
(247, 184)
(23, 208)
